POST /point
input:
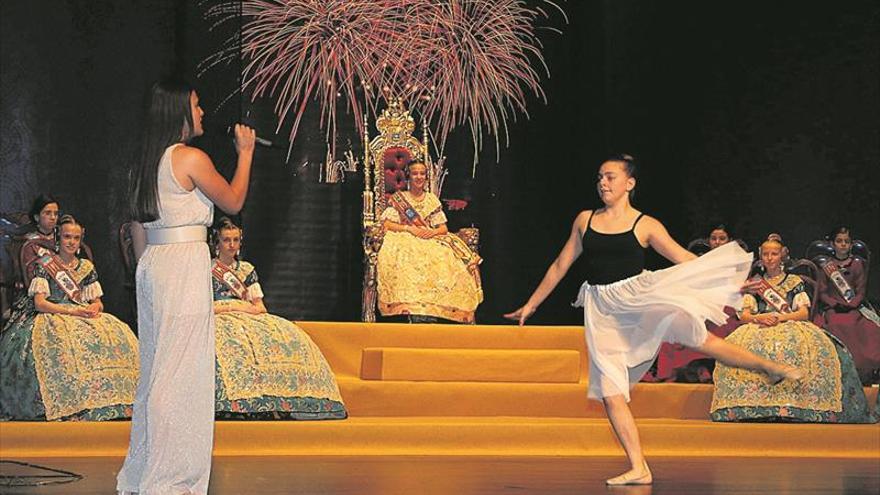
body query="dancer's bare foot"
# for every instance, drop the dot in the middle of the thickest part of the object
(782, 372)
(636, 476)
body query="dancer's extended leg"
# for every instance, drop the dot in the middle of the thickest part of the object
(736, 356)
(624, 426)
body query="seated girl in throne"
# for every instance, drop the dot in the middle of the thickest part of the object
(425, 272)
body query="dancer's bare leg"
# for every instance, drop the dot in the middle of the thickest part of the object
(736, 356)
(624, 426)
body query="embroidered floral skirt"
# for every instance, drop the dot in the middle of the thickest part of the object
(830, 392)
(428, 277)
(60, 367)
(269, 368)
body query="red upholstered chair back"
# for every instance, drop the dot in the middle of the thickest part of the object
(395, 160)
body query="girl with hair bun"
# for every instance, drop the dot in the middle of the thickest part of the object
(776, 325)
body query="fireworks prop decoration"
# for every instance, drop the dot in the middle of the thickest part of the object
(457, 62)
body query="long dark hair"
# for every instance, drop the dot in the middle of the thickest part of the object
(39, 203)
(168, 121)
(720, 226)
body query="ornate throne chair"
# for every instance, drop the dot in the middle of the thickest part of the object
(386, 157)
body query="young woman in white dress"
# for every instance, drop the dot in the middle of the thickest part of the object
(629, 312)
(174, 188)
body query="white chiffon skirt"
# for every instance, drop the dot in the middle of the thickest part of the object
(626, 321)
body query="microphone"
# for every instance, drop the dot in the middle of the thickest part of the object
(230, 131)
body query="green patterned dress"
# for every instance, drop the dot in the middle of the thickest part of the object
(61, 367)
(831, 391)
(267, 367)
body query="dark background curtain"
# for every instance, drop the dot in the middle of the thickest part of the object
(759, 115)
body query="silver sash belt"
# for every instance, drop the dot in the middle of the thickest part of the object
(177, 235)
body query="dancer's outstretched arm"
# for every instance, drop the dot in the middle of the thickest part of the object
(570, 252)
(659, 239)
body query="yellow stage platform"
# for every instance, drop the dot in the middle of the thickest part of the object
(472, 390)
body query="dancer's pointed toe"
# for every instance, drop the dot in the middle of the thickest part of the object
(633, 477)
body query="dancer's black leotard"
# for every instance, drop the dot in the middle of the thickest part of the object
(612, 257)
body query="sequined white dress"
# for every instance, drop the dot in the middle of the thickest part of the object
(173, 422)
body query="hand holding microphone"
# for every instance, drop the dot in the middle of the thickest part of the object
(232, 130)
(245, 139)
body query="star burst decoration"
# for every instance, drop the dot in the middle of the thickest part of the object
(457, 62)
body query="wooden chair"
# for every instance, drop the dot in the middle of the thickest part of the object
(13, 227)
(126, 252)
(824, 247)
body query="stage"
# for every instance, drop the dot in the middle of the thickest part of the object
(455, 475)
(481, 409)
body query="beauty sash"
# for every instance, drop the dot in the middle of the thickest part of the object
(772, 296)
(227, 277)
(835, 274)
(408, 214)
(462, 251)
(54, 267)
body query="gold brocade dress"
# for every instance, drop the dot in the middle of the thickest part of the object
(267, 366)
(434, 277)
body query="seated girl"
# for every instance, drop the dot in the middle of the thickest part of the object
(843, 309)
(423, 271)
(777, 327)
(37, 240)
(267, 367)
(42, 240)
(62, 357)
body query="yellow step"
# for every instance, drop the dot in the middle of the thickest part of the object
(461, 436)
(471, 365)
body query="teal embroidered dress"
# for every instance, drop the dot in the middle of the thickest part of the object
(62, 367)
(831, 391)
(267, 367)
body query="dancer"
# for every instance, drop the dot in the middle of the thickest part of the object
(173, 191)
(629, 312)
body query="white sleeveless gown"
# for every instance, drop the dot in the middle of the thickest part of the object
(172, 428)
